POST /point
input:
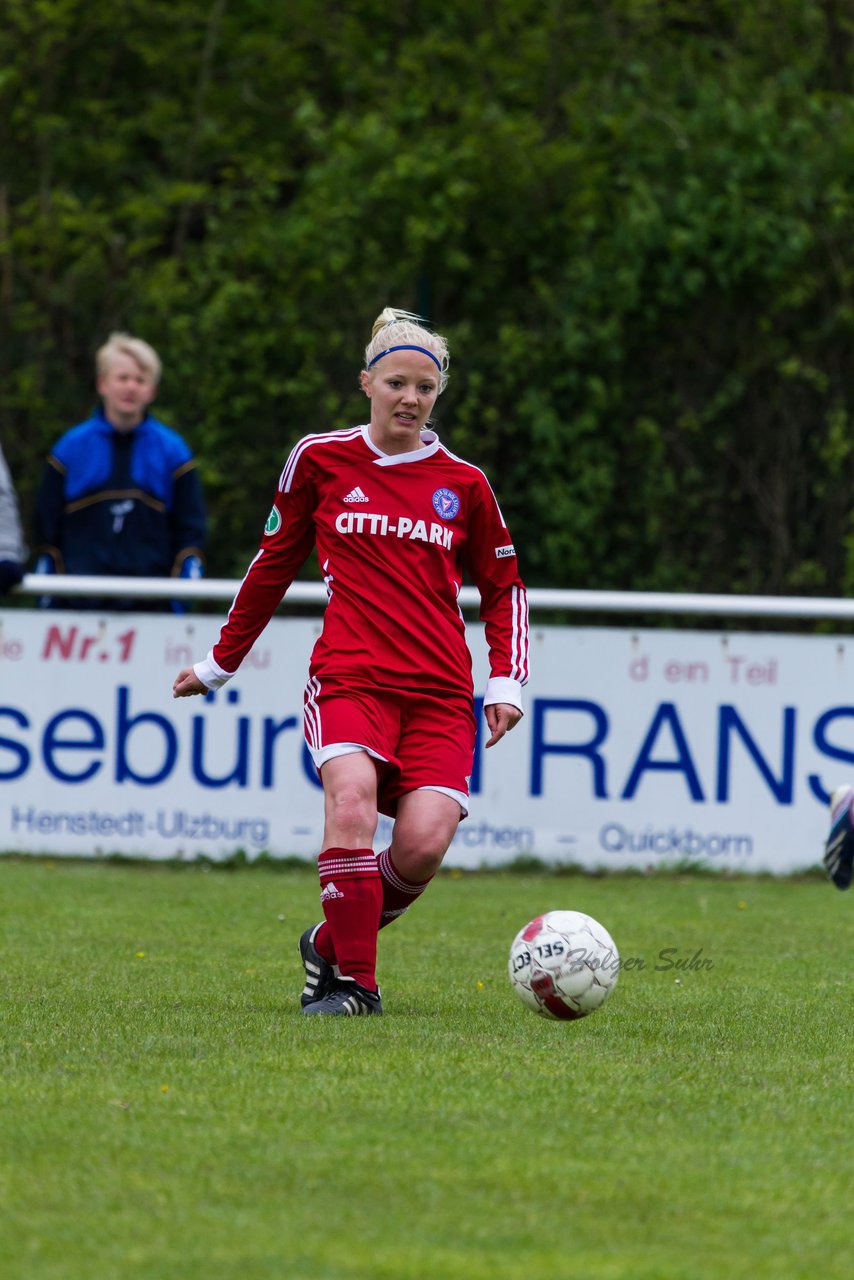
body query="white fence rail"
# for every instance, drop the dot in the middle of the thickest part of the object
(638, 602)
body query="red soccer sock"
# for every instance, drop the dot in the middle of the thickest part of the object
(351, 897)
(398, 896)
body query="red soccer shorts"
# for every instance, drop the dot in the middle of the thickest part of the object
(420, 740)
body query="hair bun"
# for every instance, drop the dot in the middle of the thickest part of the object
(393, 315)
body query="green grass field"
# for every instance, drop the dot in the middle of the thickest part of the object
(167, 1113)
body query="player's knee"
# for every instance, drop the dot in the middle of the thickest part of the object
(418, 862)
(350, 812)
(425, 864)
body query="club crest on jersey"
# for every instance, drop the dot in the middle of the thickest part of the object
(446, 504)
(274, 521)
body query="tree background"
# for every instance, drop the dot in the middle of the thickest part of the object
(632, 220)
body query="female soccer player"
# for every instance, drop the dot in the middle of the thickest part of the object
(389, 712)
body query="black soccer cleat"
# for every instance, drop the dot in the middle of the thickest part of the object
(319, 973)
(348, 999)
(839, 847)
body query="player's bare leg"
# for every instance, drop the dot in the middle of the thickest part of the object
(425, 825)
(423, 830)
(350, 801)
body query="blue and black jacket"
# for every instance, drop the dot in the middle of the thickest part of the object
(120, 502)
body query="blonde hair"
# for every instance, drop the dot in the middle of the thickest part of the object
(122, 344)
(396, 328)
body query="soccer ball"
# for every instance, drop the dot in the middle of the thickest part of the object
(564, 964)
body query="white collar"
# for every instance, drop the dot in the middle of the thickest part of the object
(429, 447)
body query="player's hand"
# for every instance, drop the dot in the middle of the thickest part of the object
(501, 717)
(187, 683)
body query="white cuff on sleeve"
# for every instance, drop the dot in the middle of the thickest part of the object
(503, 689)
(211, 673)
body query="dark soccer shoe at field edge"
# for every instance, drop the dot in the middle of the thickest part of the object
(839, 848)
(319, 973)
(349, 999)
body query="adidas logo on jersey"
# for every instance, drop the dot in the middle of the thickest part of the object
(330, 892)
(356, 495)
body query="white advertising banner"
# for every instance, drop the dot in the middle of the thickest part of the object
(638, 747)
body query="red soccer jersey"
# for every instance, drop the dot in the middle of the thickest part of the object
(393, 534)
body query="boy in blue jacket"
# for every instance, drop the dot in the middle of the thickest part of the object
(121, 494)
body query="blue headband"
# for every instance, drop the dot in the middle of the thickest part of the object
(406, 346)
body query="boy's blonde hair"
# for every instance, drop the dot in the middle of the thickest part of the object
(396, 328)
(122, 344)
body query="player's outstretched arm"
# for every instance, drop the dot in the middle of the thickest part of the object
(187, 683)
(501, 717)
